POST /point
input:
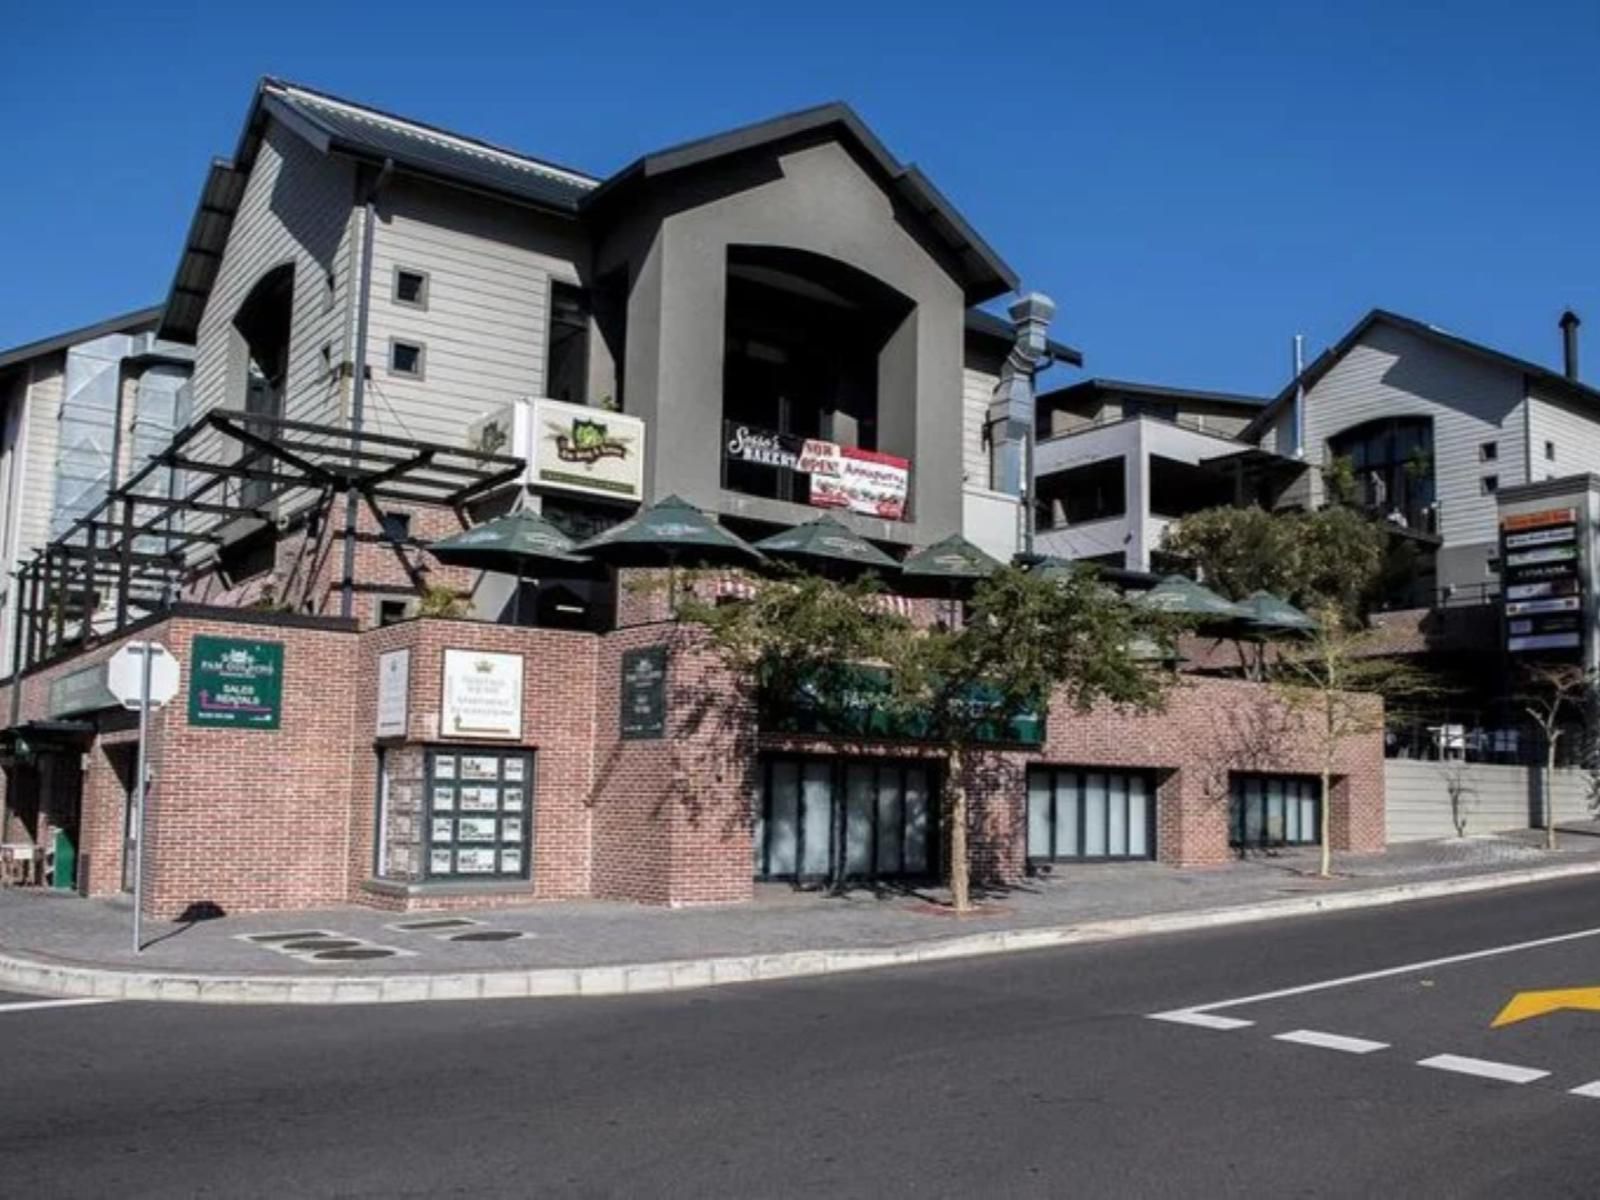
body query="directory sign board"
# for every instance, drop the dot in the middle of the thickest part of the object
(1541, 572)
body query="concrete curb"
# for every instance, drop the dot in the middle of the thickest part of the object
(22, 973)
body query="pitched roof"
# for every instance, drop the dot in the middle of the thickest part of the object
(1325, 362)
(1157, 391)
(332, 124)
(125, 323)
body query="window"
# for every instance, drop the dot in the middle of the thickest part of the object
(1488, 452)
(391, 612)
(1550, 451)
(410, 288)
(566, 375)
(1491, 484)
(1074, 814)
(480, 814)
(397, 526)
(881, 816)
(405, 358)
(1272, 810)
(1391, 464)
(1095, 492)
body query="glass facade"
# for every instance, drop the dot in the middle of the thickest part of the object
(876, 819)
(1075, 814)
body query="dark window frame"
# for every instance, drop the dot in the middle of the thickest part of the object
(1237, 822)
(1054, 772)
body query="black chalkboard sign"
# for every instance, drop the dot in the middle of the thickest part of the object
(644, 693)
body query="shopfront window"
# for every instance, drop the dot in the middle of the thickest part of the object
(876, 819)
(1075, 814)
(1273, 810)
(480, 814)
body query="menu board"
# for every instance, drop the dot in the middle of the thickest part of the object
(644, 694)
(1541, 571)
(479, 814)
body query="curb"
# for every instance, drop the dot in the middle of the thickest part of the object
(26, 974)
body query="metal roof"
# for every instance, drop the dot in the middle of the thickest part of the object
(126, 323)
(1155, 391)
(1326, 361)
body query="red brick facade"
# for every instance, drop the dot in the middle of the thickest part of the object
(287, 818)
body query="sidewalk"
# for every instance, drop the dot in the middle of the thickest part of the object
(63, 945)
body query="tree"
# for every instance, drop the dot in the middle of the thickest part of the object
(1333, 679)
(803, 642)
(1553, 694)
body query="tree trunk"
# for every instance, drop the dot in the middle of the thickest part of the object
(960, 871)
(1550, 792)
(1326, 818)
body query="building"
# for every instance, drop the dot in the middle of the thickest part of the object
(397, 330)
(78, 412)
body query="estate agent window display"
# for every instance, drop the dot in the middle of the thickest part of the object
(480, 813)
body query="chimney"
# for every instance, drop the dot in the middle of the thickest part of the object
(1569, 344)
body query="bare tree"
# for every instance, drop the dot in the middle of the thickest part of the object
(1552, 694)
(1458, 786)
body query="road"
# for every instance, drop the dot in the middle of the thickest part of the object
(1028, 1075)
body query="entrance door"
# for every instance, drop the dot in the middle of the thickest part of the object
(1274, 810)
(878, 819)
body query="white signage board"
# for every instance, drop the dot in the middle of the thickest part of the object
(125, 674)
(568, 447)
(394, 680)
(482, 695)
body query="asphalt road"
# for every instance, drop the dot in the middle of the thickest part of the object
(1028, 1075)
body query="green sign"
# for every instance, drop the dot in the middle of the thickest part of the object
(235, 683)
(83, 690)
(644, 693)
(854, 704)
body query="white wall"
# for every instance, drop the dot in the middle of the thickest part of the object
(1494, 798)
(1574, 432)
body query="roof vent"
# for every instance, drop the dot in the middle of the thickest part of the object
(1569, 344)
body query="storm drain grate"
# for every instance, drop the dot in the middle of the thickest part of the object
(267, 939)
(356, 955)
(436, 923)
(490, 935)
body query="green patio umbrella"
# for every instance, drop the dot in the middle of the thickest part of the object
(1184, 597)
(521, 543)
(948, 570)
(1270, 614)
(828, 546)
(670, 533)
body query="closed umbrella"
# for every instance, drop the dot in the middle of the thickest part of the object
(521, 543)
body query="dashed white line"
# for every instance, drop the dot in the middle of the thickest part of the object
(75, 1002)
(1331, 1041)
(1591, 1090)
(1483, 1068)
(1186, 1016)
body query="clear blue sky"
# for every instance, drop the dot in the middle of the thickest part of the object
(1192, 182)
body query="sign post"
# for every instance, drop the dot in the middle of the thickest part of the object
(157, 682)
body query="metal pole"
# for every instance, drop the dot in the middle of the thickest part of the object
(358, 390)
(139, 798)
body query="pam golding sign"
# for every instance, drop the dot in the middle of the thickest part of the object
(235, 682)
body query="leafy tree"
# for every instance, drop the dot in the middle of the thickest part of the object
(1028, 636)
(1335, 681)
(1554, 695)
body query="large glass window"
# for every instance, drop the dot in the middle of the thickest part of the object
(1093, 492)
(1391, 468)
(875, 817)
(1274, 810)
(1079, 814)
(480, 814)
(567, 371)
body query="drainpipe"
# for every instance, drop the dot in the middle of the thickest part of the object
(1011, 411)
(358, 388)
(1299, 438)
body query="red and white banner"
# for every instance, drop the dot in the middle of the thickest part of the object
(863, 481)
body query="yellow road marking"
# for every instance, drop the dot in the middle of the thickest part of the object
(1526, 1005)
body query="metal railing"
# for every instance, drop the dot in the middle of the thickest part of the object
(1460, 738)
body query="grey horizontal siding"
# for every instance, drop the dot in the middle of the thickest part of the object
(977, 390)
(485, 327)
(45, 389)
(1574, 431)
(1494, 798)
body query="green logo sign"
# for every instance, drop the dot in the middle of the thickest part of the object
(235, 683)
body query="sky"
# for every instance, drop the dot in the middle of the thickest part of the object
(1192, 183)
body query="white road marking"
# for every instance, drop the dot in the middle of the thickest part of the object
(1389, 972)
(1483, 1068)
(1592, 1090)
(1331, 1041)
(1189, 1016)
(75, 1002)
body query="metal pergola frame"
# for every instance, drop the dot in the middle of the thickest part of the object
(139, 539)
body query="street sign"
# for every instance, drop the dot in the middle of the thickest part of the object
(126, 666)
